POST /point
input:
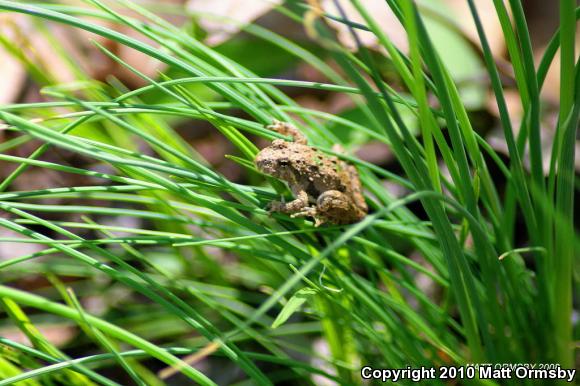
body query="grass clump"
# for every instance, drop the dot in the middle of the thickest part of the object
(187, 263)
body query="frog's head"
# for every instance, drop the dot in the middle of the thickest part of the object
(275, 161)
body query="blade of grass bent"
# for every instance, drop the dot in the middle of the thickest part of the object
(41, 303)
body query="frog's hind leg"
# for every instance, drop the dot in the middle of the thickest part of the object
(337, 208)
(289, 130)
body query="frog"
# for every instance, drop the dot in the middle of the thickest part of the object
(325, 188)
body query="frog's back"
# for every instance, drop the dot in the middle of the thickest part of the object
(329, 173)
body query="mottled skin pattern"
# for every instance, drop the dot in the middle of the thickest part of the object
(325, 188)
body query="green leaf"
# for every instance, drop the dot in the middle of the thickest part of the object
(293, 305)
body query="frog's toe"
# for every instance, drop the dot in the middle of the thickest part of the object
(318, 221)
(308, 211)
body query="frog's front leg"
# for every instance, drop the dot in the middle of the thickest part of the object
(298, 208)
(338, 208)
(294, 206)
(289, 130)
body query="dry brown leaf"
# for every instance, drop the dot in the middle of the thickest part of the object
(323, 349)
(99, 66)
(551, 87)
(37, 50)
(489, 20)
(57, 334)
(11, 250)
(375, 152)
(514, 106)
(383, 16)
(223, 19)
(85, 57)
(391, 26)
(12, 72)
(496, 140)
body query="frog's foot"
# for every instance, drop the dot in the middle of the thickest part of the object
(293, 206)
(288, 130)
(310, 211)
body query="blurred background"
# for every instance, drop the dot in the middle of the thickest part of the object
(36, 54)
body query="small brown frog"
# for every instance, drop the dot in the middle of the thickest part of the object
(325, 187)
